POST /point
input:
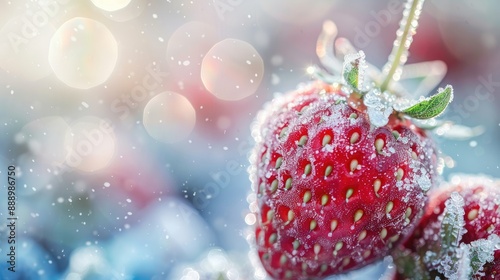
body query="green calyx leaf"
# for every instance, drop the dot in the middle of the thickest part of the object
(410, 265)
(446, 260)
(453, 222)
(353, 68)
(431, 107)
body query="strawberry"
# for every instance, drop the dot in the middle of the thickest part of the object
(340, 170)
(334, 193)
(458, 237)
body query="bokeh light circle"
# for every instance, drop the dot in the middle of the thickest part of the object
(90, 143)
(111, 5)
(131, 11)
(83, 53)
(232, 70)
(169, 117)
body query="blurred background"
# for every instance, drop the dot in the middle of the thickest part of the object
(129, 120)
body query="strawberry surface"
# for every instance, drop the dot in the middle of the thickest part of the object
(334, 193)
(479, 222)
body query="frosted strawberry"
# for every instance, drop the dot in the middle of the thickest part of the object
(458, 237)
(340, 170)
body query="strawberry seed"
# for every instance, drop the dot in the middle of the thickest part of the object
(333, 225)
(472, 214)
(324, 267)
(388, 207)
(307, 196)
(313, 224)
(326, 140)
(288, 183)
(383, 233)
(379, 144)
(376, 186)
(394, 238)
(317, 248)
(307, 169)
(274, 186)
(328, 170)
(348, 194)
(302, 141)
(279, 161)
(362, 235)
(367, 253)
(304, 266)
(358, 214)
(338, 246)
(273, 238)
(354, 138)
(395, 134)
(399, 174)
(408, 212)
(270, 215)
(324, 199)
(353, 165)
(283, 259)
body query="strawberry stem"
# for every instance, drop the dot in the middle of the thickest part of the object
(399, 53)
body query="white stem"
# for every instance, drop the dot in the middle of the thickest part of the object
(399, 54)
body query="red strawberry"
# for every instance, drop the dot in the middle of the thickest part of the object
(334, 193)
(470, 209)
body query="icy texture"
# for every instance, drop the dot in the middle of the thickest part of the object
(469, 259)
(463, 267)
(310, 113)
(362, 77)
(379, 107)
(452, 229)
(453, 224)
(482, 251)
(424, 180)
(459, 233)
(353, 69)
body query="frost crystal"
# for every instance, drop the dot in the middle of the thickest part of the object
(463, 267)
(379, 107)
(453, 224)
(482, 251)
(353, 69)
(452, 230)
(423, 180)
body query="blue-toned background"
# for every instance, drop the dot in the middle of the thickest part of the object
(129, 120)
